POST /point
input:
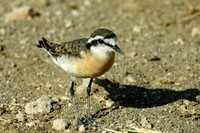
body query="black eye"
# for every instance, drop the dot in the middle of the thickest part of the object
(100, 41)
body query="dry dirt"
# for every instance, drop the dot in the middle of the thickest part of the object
(155, 86)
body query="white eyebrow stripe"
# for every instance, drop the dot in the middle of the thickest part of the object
(95, 38)
(110, 41)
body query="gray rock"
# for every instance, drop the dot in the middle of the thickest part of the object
(41, 105)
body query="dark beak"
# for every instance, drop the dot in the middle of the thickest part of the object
(117, 49)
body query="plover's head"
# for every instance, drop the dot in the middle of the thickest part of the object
(103, 41)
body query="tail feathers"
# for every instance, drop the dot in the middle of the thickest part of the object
(44, 43)
(39, 45)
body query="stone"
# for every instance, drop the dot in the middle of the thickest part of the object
(59, 124)
(195, 32)
(41, 105)
(20, 116)
(81, 128)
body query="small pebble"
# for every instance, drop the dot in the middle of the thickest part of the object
(137, 29)
(2, 31)
(130, 79)
(81, 128)
(75, 13)
(48, 85)
(109, 103)
(20, 116)
(195, 32)
(87, 3)
(32, 123)
(55, 99)
(145, 122)
(59, 124)
(186, 102)
(179, 41)
(56, 107)
(65, 98)
(68, 23)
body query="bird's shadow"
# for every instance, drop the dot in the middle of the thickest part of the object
(139, 97)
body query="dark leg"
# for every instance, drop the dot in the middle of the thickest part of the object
(88, 96)
(74, 104)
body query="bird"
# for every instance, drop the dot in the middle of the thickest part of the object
(84, 58)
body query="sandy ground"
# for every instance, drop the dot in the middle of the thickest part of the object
(155, 86)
